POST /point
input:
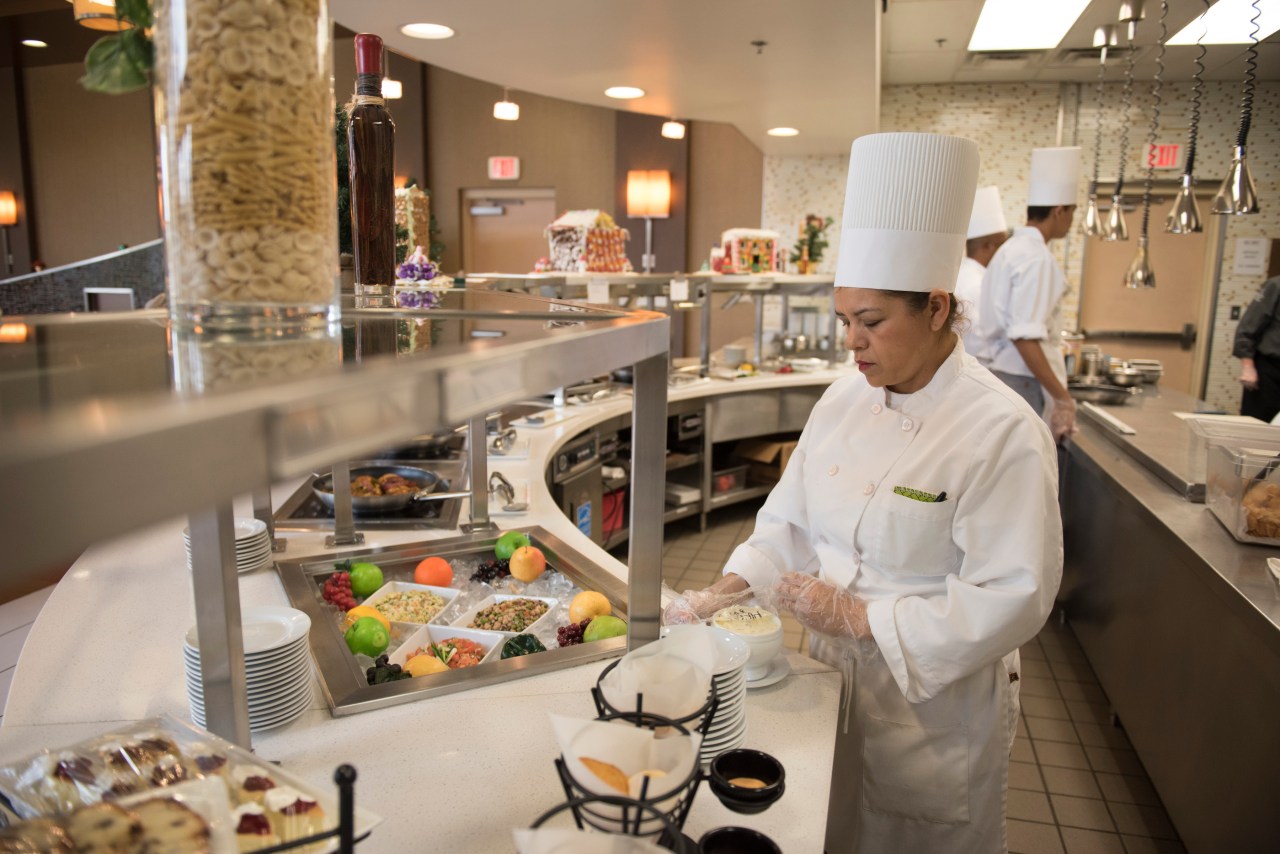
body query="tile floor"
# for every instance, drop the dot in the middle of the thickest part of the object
(1075, 784)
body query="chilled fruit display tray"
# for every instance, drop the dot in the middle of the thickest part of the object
(358, 648)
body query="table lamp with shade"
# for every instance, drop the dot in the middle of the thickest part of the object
(8, 217)
(648, 196)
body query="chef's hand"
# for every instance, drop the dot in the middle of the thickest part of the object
(1062, 420)
(1248, 374)
(696, 606)
(822, 607)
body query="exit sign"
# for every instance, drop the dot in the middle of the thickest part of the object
(1165, 155)
(504, 168)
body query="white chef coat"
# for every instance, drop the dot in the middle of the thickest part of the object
(968, 291)
(1021, 298)
(951, 587)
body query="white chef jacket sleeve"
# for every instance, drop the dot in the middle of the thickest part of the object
(1008, 526)
(1031, 299)
(780, 542)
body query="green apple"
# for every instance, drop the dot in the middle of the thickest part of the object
(508, 543)
(604, 626)
(366, 578)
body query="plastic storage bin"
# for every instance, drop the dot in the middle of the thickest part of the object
(1244, 434)
(729, 480)
(1242, 488)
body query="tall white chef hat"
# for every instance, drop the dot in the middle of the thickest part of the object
(988, 215)
(906, 207)
(1055, 177)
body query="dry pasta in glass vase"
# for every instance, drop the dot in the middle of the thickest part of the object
(244, 105)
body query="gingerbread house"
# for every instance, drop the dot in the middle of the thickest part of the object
(750, 250)
(588, 241)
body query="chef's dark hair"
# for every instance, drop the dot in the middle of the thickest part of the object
(1039, 213)
(918, 301)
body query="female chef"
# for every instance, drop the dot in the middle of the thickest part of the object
(916, 527)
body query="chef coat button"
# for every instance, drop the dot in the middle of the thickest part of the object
(907, 424)
(856, 557)
(833, 471)
(877, 409)
(868, 489)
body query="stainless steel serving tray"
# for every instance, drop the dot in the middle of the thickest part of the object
(1108, 395)
(342, 677)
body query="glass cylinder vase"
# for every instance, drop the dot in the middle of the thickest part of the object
(244, 108)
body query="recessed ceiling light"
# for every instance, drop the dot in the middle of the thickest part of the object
(34, 43)
(427, 31)
(782, 132)
(624, 92)
(1024, 24)
(1229, 22)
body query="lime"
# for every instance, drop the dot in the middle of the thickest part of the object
(603, 627)
(506, 546)
(367, 637)
(366, 578)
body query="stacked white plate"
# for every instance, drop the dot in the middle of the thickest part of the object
(277, 666)
(728, 728)
(253, 546)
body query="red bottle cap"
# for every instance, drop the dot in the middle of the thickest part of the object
(368, 54)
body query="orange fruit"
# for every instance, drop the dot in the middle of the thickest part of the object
(434, 571)
(527, 563)
(588, 605)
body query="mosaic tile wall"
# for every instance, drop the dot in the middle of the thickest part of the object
(1007, 120)
(62, 288)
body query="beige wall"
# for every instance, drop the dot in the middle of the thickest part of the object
(565, 146)
(93, 166)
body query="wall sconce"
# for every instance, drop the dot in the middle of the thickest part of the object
(648, 196)
(673, 129)
(8, 217)
(506, 109)
(98, 15)
(392, 88)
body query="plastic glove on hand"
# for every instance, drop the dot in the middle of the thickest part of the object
(696, 606)
(822, 607)
(1062, 420)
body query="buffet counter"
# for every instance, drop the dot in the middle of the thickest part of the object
(454, 773)
(1180, 622)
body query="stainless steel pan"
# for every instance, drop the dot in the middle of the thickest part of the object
(1105, 394)
(427, 482)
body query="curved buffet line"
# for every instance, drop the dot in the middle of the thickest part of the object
(458, 771)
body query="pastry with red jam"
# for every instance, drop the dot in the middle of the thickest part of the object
(253, 829)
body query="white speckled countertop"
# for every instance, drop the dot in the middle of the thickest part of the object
(460, 770)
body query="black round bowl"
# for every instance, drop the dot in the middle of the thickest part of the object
(736, 840)
(747, 763)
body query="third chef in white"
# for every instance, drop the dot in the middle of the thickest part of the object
(987, 232)
(915, 529)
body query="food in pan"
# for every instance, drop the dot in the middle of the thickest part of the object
(512, 615)
(746, 620)
(366, 578)
(604, 627)
(527, 563)
(587, 605)
(747, 782)
(1262, 510)
(434, 572)
(611, 775)
(456, 653)
(410, 606)
(522, 645)
(367, 486)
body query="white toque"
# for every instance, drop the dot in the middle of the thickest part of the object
(906, 211)
(988, 214)
(1055, 177)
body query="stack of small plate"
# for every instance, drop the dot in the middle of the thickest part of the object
(277, 665)
(728, 727)
(253, 546)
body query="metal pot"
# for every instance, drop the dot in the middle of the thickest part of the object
(1125, 376)
(1091, 363)
(427, 482)
(1104, 394)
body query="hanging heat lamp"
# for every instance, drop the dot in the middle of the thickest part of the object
(1184, 217)
(1140, 274)
(1238, 195)
(1116, 229)
(1103, 37)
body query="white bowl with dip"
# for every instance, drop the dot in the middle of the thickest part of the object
(761, 629)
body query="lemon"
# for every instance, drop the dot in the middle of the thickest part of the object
(424, 664)
(365, 611)
(588, 605)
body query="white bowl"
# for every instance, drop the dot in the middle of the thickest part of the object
(765, 645)
(429, 634)
(448, 594)
(465, 620)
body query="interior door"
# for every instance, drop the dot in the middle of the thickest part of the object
(1166, 322)
(503, 229)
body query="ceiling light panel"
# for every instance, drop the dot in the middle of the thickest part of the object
(1229, 22)
(1024, 24)
(427, 31)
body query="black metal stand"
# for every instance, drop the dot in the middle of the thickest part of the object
(706, 711)
(670, 837)
(345, 832)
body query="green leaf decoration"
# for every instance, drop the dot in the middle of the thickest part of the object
(110, 69)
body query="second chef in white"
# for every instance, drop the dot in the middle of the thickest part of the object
(916, 526)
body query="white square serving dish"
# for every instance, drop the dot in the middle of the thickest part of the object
(464, 621)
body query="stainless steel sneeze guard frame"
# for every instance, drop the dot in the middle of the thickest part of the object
(343, 680)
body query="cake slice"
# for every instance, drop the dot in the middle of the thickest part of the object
(35, 836)
(293, 814)
(103, 829)
(170, 827)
